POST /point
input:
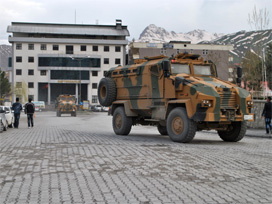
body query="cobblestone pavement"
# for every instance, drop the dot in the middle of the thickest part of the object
(80, 160)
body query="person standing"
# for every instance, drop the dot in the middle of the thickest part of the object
(30, 111)
(267, 113)
(17, 107)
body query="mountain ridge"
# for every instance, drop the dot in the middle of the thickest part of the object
(155, 34)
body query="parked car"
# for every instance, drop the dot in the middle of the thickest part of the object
(97, 108)
(9, 115)
(105, 109)
(3, 121)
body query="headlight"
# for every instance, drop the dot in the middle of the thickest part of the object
(207, 103)
(250, 104)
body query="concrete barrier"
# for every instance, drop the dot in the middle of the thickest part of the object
(257, 110)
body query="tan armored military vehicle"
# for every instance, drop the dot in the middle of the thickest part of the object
(180, 96)
(66, 104)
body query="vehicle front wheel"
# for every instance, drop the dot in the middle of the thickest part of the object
(120, 122)
(162, 129)
(1, 127)
(179, 127)
(235, 132)
(6, 127)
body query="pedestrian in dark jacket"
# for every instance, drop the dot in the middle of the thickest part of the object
(30, 111)
(267, 113)
(16, 107)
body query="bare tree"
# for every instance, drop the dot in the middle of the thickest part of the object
(258, 20)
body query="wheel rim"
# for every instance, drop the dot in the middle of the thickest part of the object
(177, 125)
(118, 121)
(103, 92)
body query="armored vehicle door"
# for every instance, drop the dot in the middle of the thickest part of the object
(156, 83)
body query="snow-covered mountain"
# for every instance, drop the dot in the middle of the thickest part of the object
(154, 34)
(244, 41)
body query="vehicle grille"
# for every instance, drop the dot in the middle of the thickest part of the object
(228, 100)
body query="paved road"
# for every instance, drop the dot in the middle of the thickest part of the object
(80, 160)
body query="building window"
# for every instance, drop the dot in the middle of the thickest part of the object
(95, 48)
(94, 85)
(117, 49)
(69, 75)
(18, 46)
(106, 48)
(30, 46)
(30, 85)
(31, 59)
(56, 47)
(205, 52)
(68, 62)
(94, 99)
(161, 52)
(230, 59)
(18, 72)
(83, 48)
(94, 73)
(43, 46)
(43, 73)
(69, 49)
(31, 72)
(18, 84)
(117, 61)
(106, 60)
(19, 59)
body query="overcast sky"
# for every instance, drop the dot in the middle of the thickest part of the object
(221, 16)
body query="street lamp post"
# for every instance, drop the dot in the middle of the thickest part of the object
(79, 59)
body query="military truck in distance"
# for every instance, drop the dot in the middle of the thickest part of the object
(66, 104)
(180, 95)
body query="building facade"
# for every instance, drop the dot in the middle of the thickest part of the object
(53, 59)
(219, 54)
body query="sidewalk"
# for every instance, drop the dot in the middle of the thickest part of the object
(257, 133)
(250, 132)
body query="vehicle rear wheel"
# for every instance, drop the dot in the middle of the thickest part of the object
(162, 129)
(106, 91)
(179, 127)
(120, 122)
(235, 133)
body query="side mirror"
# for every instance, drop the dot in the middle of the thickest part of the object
(239, 72)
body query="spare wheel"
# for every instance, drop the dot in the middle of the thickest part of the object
(106, 91)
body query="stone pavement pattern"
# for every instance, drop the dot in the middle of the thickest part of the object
(81, 160)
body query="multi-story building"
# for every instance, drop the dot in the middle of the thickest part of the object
(53, 59)
(219, 54)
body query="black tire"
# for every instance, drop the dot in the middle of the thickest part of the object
(106, 91)
(6, 127)
(162, 129)
(179, 127)
(120, 122)
(235, 133)
(1, 127)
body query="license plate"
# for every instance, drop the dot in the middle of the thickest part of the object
(248, 117)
